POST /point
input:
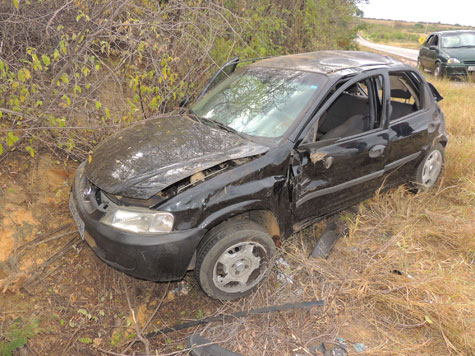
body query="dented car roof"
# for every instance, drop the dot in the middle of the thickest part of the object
(327, 62)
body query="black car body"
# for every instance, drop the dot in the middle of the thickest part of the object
(362, 121)
(449, 53)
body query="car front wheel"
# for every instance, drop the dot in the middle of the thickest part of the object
(438, 70)
(233, 259)
(429, 169)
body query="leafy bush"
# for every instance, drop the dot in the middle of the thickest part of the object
(74, 71)
(17, 336)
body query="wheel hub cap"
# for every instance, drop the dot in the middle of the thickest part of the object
(240, 267)
(432, 168)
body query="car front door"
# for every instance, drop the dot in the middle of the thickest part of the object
(334, 168)
(433, 52)
(424, 52)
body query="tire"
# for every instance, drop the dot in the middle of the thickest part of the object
(438, 70)
(233, 259)
(428, 171)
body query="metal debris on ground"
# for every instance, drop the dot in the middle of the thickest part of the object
(182, 288)
(241, 314)
(203, 347)
(284, 274)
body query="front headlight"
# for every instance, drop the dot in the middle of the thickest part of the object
(139, 221)
(453, 61)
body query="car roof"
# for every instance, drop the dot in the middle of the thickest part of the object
(328, 62)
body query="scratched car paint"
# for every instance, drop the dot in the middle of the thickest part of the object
(267, 149)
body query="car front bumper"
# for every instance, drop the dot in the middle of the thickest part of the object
(457, 70)
(158, 257)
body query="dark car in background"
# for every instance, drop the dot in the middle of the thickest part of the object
(267, 149)
(449, 54)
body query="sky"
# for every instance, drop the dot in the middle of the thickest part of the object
(452, 12)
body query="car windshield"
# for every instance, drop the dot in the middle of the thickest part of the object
(260, 101)
(466, 39)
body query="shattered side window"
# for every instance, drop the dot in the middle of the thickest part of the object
(349, 114)
(260, 101)
(405, 94)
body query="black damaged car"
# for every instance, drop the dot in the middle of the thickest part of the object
(267, 149)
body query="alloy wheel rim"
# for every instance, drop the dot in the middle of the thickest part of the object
(240, 267)
(431, 169)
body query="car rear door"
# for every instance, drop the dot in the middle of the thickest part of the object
(331, 174)
(412, 126)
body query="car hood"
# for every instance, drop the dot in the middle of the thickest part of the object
(462, 54)
(142, 160)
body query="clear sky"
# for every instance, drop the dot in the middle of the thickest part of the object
(460, 12)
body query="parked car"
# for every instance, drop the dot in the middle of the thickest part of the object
(449, 53)
(265, 151)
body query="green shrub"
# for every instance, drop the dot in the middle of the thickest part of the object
(73, 72)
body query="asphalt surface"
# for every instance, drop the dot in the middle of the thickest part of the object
(410, 54)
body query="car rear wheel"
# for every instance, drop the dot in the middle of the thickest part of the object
(233, 259)
(428, 171)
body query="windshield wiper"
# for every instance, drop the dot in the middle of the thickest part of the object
(226, 127)
(200, 119)
(215, 124)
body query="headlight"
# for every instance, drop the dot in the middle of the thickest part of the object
(139, 221)
(453, 61)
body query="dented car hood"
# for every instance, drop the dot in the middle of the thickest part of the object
(142, 160)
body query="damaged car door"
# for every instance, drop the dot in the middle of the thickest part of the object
(341, 160)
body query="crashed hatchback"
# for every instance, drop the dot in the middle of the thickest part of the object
(267, 149)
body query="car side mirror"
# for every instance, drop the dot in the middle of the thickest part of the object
(433, 48)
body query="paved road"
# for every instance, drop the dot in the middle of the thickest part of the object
(410, 54)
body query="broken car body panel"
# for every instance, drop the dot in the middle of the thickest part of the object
(142, 160)
(284, 183)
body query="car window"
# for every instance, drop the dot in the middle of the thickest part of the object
(405, 94)
(259, 101)
(429, 40)
(458, 40)
(357, 109)
(435, 41)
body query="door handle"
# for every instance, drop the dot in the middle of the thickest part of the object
(376, 151)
